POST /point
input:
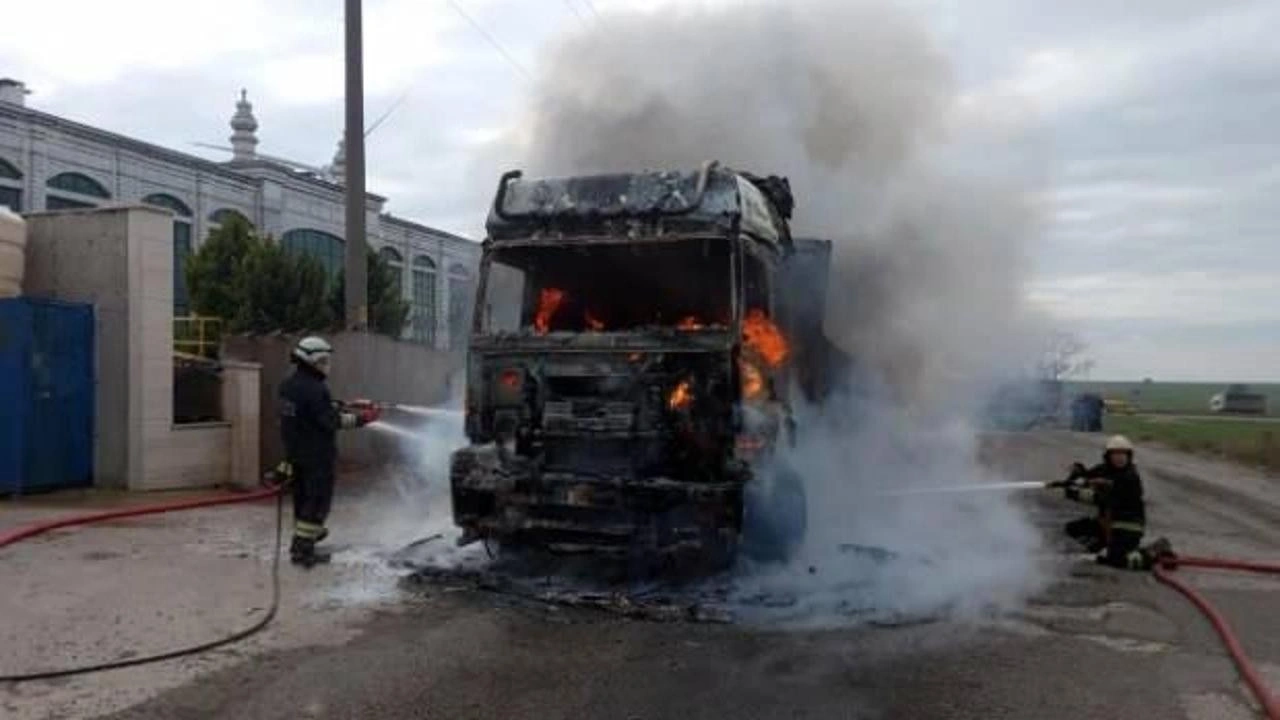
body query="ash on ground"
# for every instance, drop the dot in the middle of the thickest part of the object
(748, 594)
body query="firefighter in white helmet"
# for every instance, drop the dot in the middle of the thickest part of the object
(1114, 487)
(309, 421)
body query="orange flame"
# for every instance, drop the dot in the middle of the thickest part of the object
(762, 336)
(593, 323)
(690, 322)
(752, 380)
(549, 300)
(681, 397)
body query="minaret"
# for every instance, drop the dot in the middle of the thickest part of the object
(339, 167)
(244, 138)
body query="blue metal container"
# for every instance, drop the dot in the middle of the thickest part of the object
(47, 391)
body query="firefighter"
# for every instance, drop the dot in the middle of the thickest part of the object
(309, 421)
(1114, 487)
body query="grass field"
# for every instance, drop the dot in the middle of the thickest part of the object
(1251, 442)
(1170, 398)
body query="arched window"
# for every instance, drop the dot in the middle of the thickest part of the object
(77, 183)
(422, 319)
(182, 216)
(169, 202)
(83, 191)
(221, 215)
(461, 298)
(10, 186)
(324, 247)
(395, 261)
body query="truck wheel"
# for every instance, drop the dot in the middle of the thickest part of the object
(775, 517)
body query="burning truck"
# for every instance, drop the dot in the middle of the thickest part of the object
(636, 342)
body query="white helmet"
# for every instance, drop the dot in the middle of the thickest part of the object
(1119, 443)
(314, 352)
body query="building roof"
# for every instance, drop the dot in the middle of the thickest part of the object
(280, 169)
(227, 170)
(88, 132)
(241, 171)
(437, 232)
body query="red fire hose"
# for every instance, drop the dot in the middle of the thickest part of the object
(1164, 573)
(39, 528)
(30, 531)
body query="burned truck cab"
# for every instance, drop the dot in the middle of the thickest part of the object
(629, 362)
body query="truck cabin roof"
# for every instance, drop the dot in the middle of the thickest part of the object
(711, 199)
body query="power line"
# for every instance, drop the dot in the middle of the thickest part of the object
(491, 40)
(387, 113)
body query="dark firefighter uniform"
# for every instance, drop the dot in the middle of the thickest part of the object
(1114, 487)
(309, 421)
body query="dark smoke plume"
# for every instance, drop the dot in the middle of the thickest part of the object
(852, 101)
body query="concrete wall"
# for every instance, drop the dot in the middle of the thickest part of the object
(82, 256)
(241, 397)
(121, 260)
(372, 367)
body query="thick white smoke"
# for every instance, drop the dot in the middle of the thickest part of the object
(853, 102)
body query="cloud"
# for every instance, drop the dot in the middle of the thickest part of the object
(1177, 351)
(1148, 126)
(1212, 298)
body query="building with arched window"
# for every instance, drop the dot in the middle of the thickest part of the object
(10, 186)
(70, 190)
(221, 215)
(182, 217)
(51, 163)
(395, 261)
(326, 248)
(422, 309)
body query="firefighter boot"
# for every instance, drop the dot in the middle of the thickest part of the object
(303, 553)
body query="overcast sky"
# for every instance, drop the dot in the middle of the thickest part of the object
(1150, 128)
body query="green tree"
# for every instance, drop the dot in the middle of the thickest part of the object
(212, 271)
(387, 310)
(280, 290)
(254, 285)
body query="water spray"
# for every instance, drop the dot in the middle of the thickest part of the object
(980, 487)
(426, 411)
(400, 432)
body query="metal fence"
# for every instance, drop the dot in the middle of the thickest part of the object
(197, 336)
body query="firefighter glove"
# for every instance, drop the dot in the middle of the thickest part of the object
(368, 414)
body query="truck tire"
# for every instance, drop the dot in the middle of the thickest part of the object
(775, 517)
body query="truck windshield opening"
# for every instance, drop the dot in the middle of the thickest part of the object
(681, 284)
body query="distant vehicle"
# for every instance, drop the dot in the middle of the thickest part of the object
(1239, 400)
(1119, 406)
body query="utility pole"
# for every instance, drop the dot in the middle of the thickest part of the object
(357, 296)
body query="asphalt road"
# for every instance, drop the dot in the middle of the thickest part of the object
(1096, 643)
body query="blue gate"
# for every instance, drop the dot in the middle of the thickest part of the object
(47, 385)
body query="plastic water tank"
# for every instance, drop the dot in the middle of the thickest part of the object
(13, 252)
